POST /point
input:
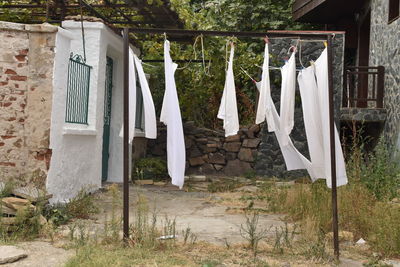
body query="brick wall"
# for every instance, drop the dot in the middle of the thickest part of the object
(26, 73)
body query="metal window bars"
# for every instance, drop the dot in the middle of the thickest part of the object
(77, 90)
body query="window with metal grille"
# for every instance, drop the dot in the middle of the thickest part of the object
(394, 10)
(77, 90)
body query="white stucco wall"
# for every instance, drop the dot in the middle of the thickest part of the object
(77, 149)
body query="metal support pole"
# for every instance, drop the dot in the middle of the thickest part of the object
(126, 135)
(335, 225)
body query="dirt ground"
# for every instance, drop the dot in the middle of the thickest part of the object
(207, 215)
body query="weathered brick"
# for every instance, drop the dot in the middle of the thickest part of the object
(24, 52)
(7, 136)
(10, 71)
(7, 104)
(20, 57)
(18, 78)
(9, 164)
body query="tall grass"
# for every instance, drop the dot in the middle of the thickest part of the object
(365, 206)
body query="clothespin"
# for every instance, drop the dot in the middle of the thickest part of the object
(325, 43)
(266, 39)
(165, 36)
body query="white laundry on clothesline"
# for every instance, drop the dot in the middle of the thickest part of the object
(171, 116)
(228, 108)
(150, 122)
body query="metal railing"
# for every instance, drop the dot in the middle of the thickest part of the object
(364, 86)
(77, 90)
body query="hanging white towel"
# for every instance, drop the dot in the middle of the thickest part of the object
(264, 111)
(171, 116)
(132, 98)
(294, 160)
(150, 123)
(287, 97)
(321, 71)
(312, 119)
(228, 107)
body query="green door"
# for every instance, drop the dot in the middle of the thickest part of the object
(107, 118)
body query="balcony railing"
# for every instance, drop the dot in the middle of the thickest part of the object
(364, 86)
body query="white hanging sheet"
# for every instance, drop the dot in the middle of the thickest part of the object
(287, 98)
(228, 107)
(294, 160)
(132, 98)
(321, 72)
(312, 119)
(171, 116)
(264, 111)
(150, 123)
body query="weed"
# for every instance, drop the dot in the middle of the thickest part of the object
(284, 237)
(6, 188)
(189, 236)
(316, 249)
(82, 205)
(227, 185)
(251, 231)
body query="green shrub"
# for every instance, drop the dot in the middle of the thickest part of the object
(150, 168)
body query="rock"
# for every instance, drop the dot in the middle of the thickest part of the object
(6, 210)
(163, 183)
(31, 193)
(214, 145)
(230, 156)
(232, 146)
(16, 203)
(144, 182)
(247, 188)
(202, 141)
(216, 158)
(255, 129)
(9, 254)
(42, 220)
(195, 152)
(233, 138)
(188, 143)
(251, 143)
(361, 242)
(211, 149)
(207, 169)
(218, 167)
(198, 178)
(246, 154)
(236, 167)
(196, 161)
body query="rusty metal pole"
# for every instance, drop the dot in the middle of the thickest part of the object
(335, 224)
(126, 136)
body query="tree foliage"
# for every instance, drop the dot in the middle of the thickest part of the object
(199, 85)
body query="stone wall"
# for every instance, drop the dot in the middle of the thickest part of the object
(385, 51)
(209, 152)
(26, 72)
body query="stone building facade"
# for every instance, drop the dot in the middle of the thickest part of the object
(385, 51)
(26, 71)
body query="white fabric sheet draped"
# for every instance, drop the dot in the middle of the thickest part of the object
(264, 109)
(228, 107)
(171, 116)
(132, 98)
(150, 122)
(313, 83)
(287, 97)
(321, 72)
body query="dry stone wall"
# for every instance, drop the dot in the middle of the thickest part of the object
(210, 152)
(26, 74)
